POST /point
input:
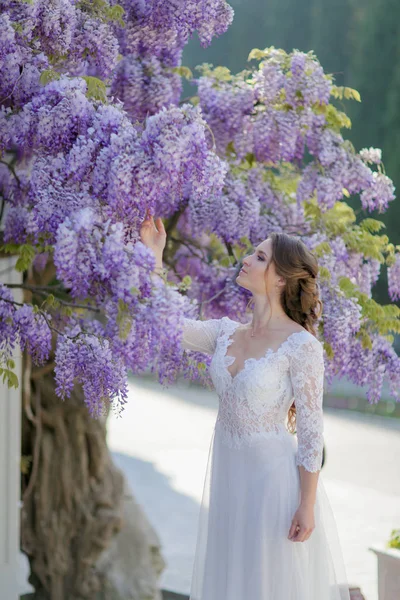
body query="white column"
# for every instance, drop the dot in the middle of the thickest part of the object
(10, 456)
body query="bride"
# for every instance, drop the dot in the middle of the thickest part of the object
(266, 529)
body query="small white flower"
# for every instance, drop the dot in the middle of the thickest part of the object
(372, 155)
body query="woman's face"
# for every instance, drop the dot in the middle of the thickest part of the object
(252, 275)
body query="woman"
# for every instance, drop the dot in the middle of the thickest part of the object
(266, 528)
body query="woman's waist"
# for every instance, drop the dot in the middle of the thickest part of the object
(237, 433)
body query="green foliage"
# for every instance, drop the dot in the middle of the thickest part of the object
(124, 319)
(101, 9)
(322, 249)
(380, 318)
(280, 54)
(25, 463)
(68, 311)
(371, 225)
(394, 540)
(243, 247)
(371, 246)
(26, 254)
(227, 261)
(49, 75)
(10, 377)
(335, 118)
(336, 221)
(324, 273)
(183, 72)
(96, 88)
(185, 284)
(115, 13)
(217, 73)
(51, 302)
(345, 92)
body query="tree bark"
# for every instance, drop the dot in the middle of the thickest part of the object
(72, 498)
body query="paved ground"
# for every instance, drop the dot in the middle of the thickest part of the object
(162, 445)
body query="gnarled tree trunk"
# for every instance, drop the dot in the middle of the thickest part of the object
(73, 498)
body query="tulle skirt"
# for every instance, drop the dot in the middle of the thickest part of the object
(243, 552)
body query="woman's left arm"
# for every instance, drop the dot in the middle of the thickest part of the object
(307, 377)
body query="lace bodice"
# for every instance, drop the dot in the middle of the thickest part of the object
(255, 402)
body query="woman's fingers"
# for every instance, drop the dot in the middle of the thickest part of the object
(160, 225)
(301, 535)
(157, 225)
(296, 531)
(292, 530)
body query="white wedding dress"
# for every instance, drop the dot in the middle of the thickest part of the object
(252, 482)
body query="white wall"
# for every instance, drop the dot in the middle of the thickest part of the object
(10, 449)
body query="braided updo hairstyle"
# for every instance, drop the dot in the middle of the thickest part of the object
(300, 296)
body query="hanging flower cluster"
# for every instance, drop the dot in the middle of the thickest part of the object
(80, 170)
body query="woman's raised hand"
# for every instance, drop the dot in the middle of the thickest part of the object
(153, 234)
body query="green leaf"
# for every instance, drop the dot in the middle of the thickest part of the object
(347, 286)
(222, 74)
(336, 119)
(187, 280)
(124, 319)
(96, 88)
(256, 54)
(338, 219)
(25, 463)
(183, 72)
(341, 92)
(51, 301)
(218, 73)
(322, 249)
(115, 13)
(26, 255)
(10, 248)
(10, 377)
(49, 75)
(371, 225)
(324, 273)
(394, 540)
(227, 261)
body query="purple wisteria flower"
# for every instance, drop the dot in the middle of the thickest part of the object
(87, 359)
(393, 273)
(34, 333)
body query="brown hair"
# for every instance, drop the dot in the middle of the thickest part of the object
(300, 296)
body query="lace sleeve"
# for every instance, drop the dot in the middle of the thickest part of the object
(197, 335)
(200, 335)
(307, 377)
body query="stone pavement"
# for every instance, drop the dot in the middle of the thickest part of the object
(162, 442)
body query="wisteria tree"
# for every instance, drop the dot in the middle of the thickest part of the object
(92, 135)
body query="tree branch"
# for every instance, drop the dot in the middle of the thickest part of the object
(15, 85)
(11, 168)
(42, 290)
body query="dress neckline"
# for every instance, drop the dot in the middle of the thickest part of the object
(268, 352)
